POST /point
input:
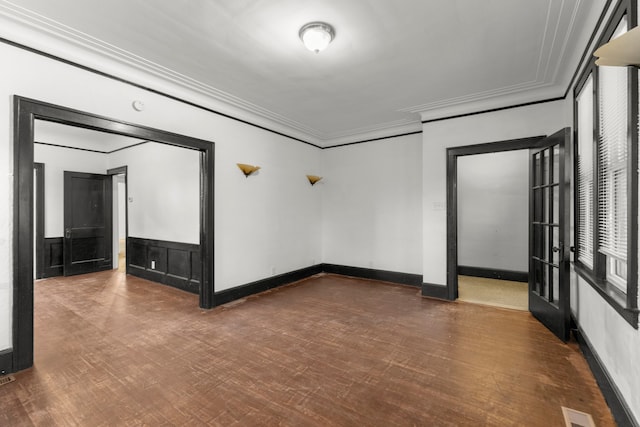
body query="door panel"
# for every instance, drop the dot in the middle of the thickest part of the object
(87, 223)
(549, 233)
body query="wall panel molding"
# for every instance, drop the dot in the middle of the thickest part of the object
(53, 257)
(170, 263)
(6, 362)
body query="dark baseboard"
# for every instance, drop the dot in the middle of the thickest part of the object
(435, 291)
(256, 287)
(6, 362)
(382, 275)
(53, 257)
(494, 273)
(621, 412)
(174, 264)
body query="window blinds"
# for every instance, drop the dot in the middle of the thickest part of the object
(585, 173)
(613, 155)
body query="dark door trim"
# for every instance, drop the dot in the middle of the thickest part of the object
(39, 224)
(452, 196)
(122, 170)
(25, 112)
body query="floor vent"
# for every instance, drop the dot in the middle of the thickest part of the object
(573, 418)
(6, 380)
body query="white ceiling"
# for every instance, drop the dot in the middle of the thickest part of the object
(390, 62)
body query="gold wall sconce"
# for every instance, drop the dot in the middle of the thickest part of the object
(313, 179)
(247, 169)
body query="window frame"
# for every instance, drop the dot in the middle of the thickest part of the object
(626, 304)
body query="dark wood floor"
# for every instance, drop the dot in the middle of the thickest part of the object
(115, 350)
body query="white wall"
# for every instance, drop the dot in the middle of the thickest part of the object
(272, 220)
(616, 343)
(493, 210)
(533, 120)
(164, 191)
(57, 160)
(121, 190)
(371, 205)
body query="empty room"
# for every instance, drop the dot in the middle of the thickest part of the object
(274, 213)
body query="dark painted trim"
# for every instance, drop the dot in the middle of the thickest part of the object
(25, 112)
(368, 273)
(625, 305)
(88, 149)
(53, 264)
(616, 299)
(23, 119)
(256, 287)
(618, 406)
(39, 220)
(70, 148)
(491, 110)
(6, 362)
(436, 291)
(372, 140)
(494, 273)
(123, 170)
(169, 270)
(139, 86)
(585, 52)
(452, 196)
(128, 146)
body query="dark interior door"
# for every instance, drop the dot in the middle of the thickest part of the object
(87, 223)
(549, 233)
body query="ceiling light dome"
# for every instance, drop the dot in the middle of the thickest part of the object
(316, 36)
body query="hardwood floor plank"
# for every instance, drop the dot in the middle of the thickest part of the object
(117, 350)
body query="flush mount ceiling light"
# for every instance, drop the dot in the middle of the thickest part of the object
(316, 36)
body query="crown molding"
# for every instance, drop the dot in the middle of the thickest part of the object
(384, 131)
(495, 103)
(35, 31)
(27, 28)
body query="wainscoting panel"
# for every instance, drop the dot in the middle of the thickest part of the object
(171, 263)
(53, 257)
(6, 362)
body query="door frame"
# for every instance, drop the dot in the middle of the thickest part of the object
(25, 111)
(122, 170)
(39, 219)
(452, 196)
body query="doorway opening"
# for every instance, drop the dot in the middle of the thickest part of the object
(549, 234)
(493, 224)
(120, 217)
(26, 111)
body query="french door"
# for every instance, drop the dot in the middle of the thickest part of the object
(549, 239)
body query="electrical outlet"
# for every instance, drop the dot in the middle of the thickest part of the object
(153, 265)
(273, 270)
